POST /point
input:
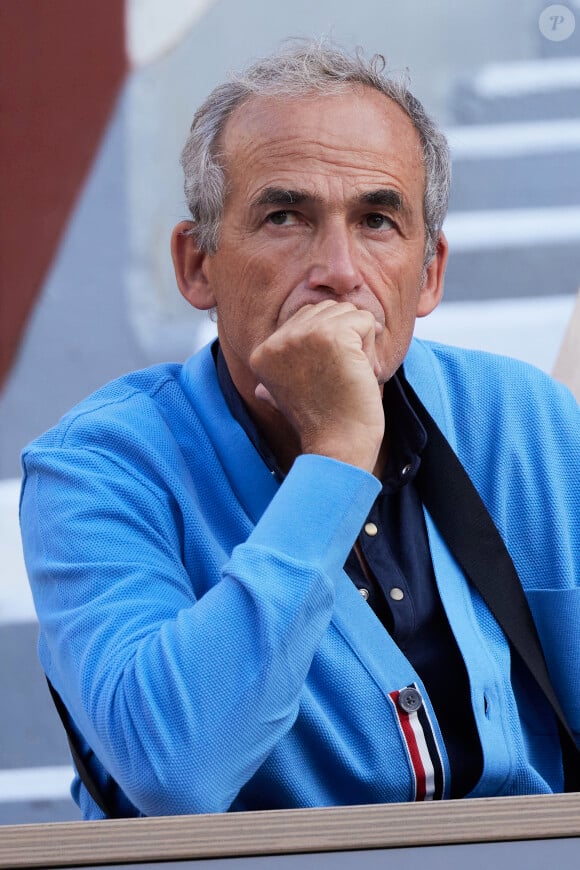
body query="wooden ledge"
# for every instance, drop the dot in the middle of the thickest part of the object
(279, 832)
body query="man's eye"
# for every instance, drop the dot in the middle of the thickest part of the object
(281, 218)
(378, 221)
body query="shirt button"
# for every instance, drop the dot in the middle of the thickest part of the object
(396, 594)
(371, 529)
(410, 700)
(364, 593)
(405, 470)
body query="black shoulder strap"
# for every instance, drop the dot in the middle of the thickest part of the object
(467, 527)
(91, 785)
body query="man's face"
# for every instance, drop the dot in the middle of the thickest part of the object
(324, 201)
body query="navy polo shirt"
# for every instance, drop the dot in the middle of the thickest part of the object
(391, 567)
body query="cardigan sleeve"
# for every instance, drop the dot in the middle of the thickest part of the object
(181, 697)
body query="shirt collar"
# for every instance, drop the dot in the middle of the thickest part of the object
(406, 434)
(240, 413)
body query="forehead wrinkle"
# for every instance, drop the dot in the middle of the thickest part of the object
(373, 173)
(256, 128)
(267, 144)
(329, 155)
(252, 141)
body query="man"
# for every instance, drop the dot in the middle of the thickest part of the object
(243, 603)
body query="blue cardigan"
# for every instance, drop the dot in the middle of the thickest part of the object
(197, 622)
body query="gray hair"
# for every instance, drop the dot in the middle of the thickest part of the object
(298, 70)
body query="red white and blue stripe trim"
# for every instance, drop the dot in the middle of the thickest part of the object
(422, 749)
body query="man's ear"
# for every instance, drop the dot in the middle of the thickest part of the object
(432, 289)
(189, 265)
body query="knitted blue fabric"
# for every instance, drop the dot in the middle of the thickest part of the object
(196, 620)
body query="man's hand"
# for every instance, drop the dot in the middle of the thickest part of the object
(320, 371)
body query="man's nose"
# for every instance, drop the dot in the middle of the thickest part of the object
(334, 263)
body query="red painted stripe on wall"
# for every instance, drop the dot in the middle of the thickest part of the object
(61, 66)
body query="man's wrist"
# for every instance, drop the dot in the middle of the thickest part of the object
(318, 511)
(359, 448)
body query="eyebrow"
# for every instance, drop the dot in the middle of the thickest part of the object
(283, 197)
(384, 197)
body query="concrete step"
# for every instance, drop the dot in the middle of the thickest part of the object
(513, 253)
(528, 164)
(547, 88)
